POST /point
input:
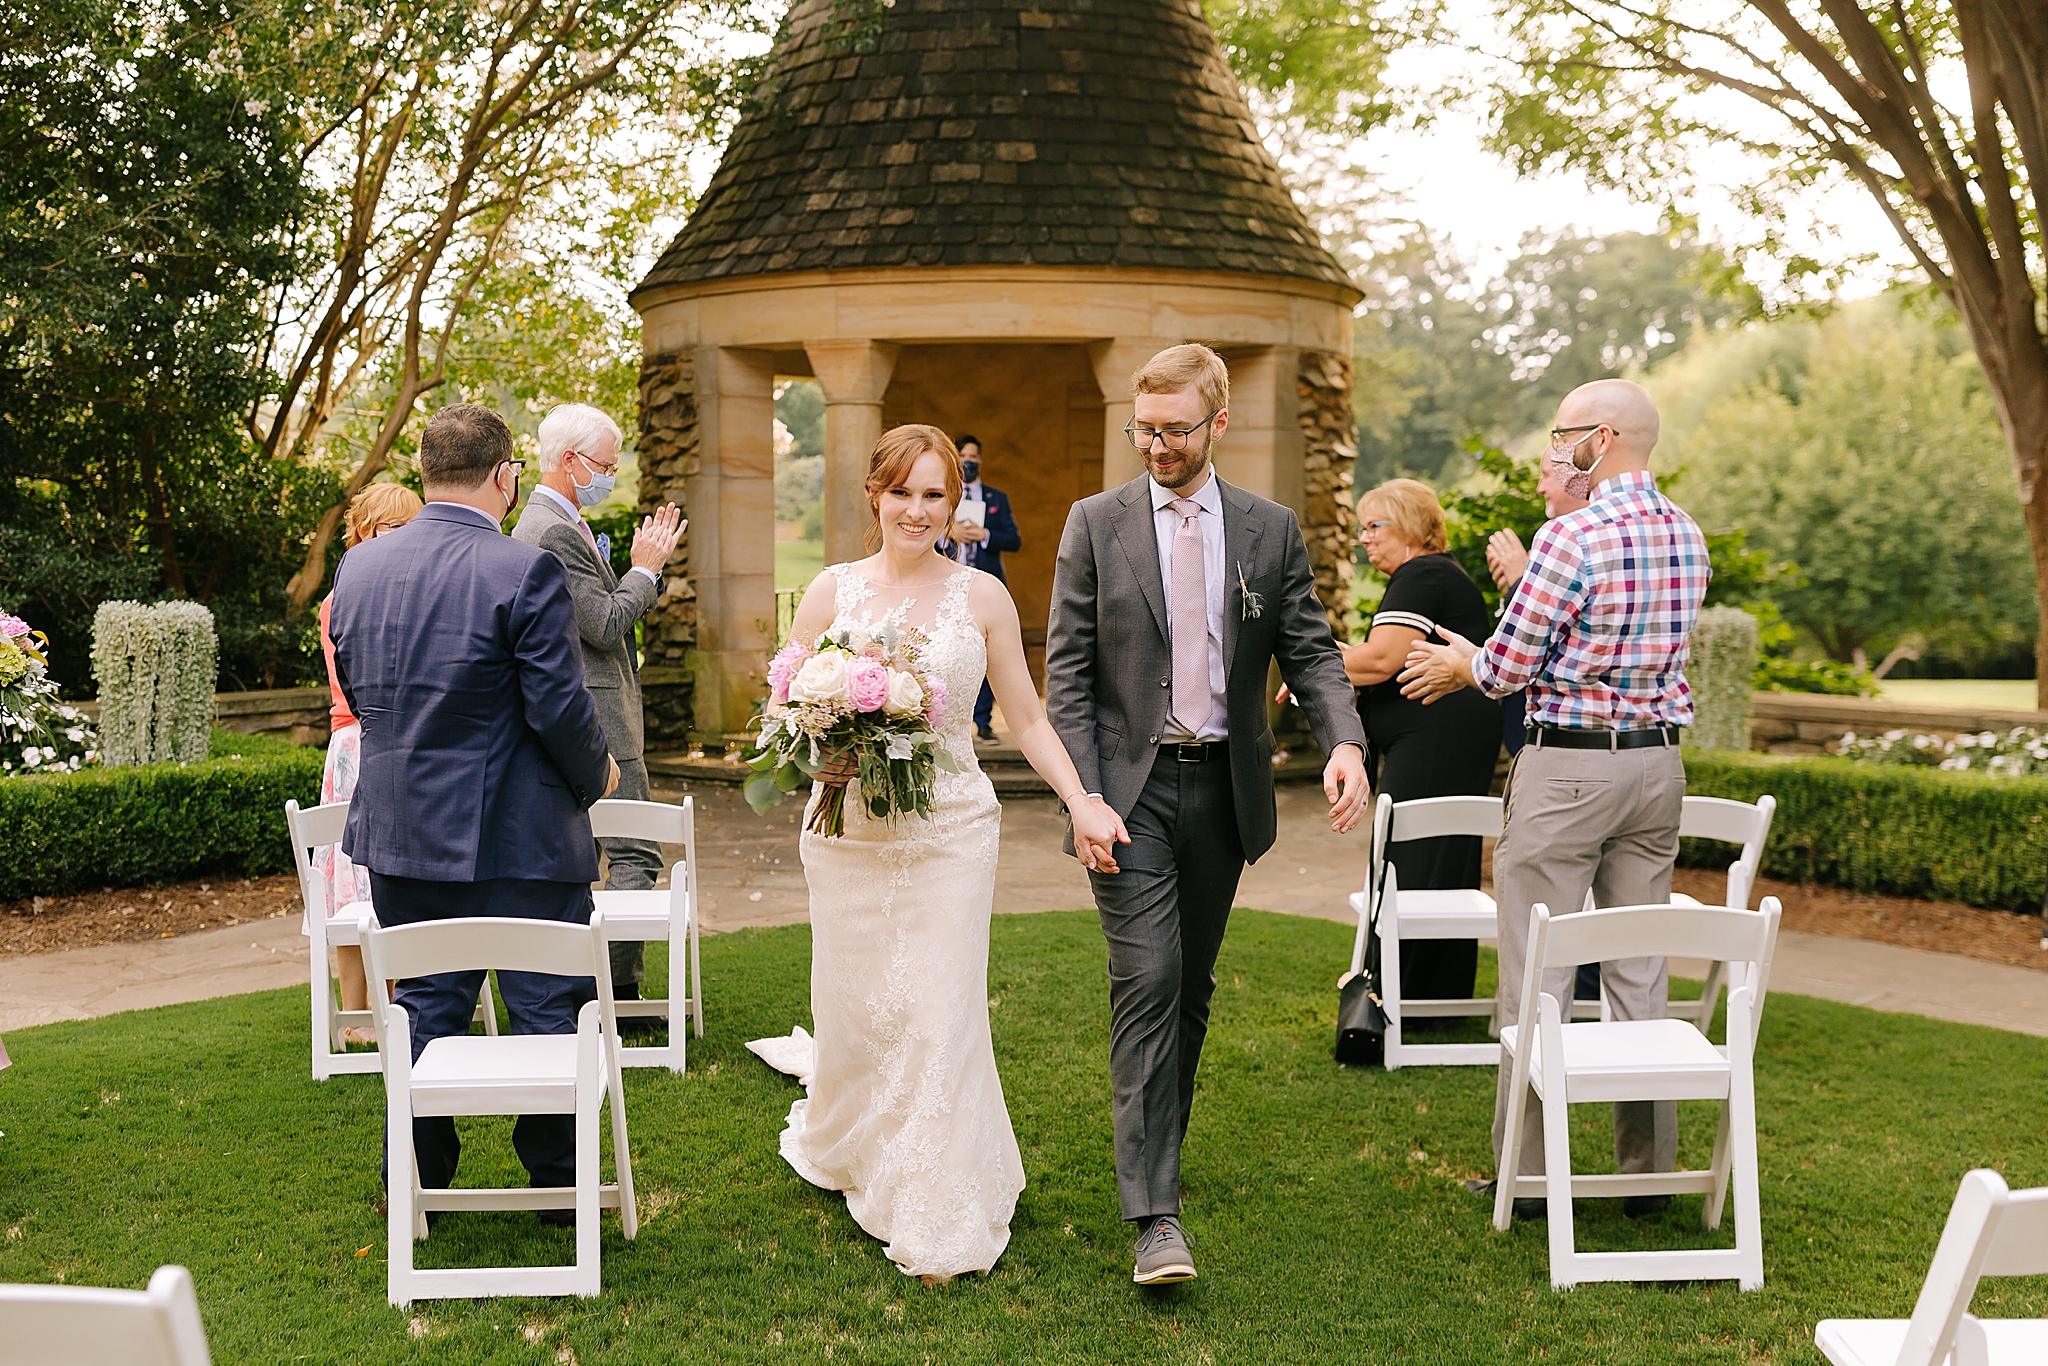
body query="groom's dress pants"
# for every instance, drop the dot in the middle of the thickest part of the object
(1164, 916)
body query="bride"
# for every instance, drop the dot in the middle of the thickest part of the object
(904, 1111)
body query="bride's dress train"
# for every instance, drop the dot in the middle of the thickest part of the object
(904, 1111)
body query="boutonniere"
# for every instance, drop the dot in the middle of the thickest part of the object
(1250, 604)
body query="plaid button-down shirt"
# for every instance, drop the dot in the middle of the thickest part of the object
(1598, 628)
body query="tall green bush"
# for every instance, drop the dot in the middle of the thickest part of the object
(1895, 829)
(1722, 673)
(156, 666)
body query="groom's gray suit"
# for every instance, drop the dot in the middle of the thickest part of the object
(1196, 813)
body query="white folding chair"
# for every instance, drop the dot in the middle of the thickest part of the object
(1461, 913)
(313, 829)
(81, 1325)
(669, 914)
(1617, 1060)
(1744, 823)
(512, 1074)
(1991, 1231)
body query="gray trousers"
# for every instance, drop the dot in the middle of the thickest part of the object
(1608, 820)
(1163, 915)
(632, 866)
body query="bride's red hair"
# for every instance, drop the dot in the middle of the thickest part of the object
(890, 466)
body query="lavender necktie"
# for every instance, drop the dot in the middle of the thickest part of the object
(1189, 620)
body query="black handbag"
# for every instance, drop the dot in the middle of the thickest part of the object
(1361, 1014)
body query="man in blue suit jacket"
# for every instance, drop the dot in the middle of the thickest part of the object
(982, 547)
(456, 648)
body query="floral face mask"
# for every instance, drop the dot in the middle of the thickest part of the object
(1565, 470)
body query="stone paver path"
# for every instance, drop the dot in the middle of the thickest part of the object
(751, 876)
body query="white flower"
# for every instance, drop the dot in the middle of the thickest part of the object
(31, 756)
(900, 747)
(906, 694)
(821, 679)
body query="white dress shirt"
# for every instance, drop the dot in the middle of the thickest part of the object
(1165, 521)
(969, 493)
(577, 516)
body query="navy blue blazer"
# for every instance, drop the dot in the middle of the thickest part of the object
(456, 648)
(1002, 535)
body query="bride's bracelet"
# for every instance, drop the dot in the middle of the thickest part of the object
(1068, 802)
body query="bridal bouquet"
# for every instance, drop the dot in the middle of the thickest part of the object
(858, 692)
(38, 733)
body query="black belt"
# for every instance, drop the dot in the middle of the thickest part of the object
(1195, 751)
(1553, 737)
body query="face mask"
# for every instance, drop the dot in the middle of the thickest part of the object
(597, 490)
(1573, 480)
(970, 470)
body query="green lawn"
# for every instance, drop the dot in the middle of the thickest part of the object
(797, 563)
(1324, 1201)
(1989, 694)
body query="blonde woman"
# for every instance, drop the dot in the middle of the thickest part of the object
(1444, 749)
(376, 510)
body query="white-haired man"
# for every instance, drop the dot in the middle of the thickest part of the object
(579, 463)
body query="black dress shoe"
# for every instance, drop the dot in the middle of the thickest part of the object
(1526, 1208)
(557, 1218)
(1643, 1206)
(985, 734)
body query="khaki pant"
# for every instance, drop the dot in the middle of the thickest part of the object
(1608, 820)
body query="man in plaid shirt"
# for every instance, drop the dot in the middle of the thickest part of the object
(1597, 631)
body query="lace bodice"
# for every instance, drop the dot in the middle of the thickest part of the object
(957, 653)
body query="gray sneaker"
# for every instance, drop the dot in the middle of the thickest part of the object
(1163, 1257)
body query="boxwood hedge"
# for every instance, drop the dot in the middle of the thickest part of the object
(1895, 829)
(127, 827)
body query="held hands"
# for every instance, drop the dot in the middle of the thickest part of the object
(1506, 558)
(1097, 830)
(1435, 671)
(1344, 784)
(967, 531)
(656, 539)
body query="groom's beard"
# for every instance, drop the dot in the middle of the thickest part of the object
(1188, 469)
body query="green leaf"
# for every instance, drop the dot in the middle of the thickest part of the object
(762, 793)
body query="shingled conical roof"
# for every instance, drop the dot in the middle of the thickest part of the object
(997, 132)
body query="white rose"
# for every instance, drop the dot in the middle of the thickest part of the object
(906, 694)
(821, 679)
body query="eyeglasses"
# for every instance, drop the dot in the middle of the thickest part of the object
(1370, 527)
(1176, 438)
(518, 468)
(1562, 442)
(594, 465)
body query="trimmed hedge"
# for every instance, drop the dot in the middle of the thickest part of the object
(127, 827)
(1896, 829)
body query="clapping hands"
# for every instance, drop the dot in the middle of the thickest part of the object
(656, 539)
(1506, 559)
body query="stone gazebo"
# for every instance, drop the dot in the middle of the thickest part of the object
(984, 214)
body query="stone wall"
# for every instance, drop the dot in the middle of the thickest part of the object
(1328, 442)
(668, 457)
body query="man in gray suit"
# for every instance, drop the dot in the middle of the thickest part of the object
(579, 462)
(1172, 597)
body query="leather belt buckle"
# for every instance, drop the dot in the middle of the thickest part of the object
(1191, 752)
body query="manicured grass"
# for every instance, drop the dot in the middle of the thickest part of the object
(1324, 1200)
(796, 564)
(1989, 694)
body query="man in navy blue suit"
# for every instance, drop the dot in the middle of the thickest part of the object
(981, 545)
(456, 648)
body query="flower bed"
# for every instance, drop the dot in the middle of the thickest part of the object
(2019, 752)
(155, 823)
(1898, 828)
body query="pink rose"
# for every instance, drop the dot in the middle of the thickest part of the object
(867, 684)
(781, 669)
(12, 627)
(935, 714)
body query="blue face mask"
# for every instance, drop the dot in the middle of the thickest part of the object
(597, 490)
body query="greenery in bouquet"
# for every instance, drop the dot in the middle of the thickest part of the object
(851, 694)
(38, 732)
(2020, 752)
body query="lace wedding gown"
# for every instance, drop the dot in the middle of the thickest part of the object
(905, 1111)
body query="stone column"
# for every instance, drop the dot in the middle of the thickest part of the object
(1329, 520)
(1261, 451)
(732, 530)
(1115, 361)
(853, 375)
(667, 455)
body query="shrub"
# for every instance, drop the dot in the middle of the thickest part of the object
(1821, 676)
(156, 667)
(155, 823)
(1891, 828)
(1722, 673)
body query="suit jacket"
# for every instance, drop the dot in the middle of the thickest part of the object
(1002, 535)
(456, 648)
(1109, 666)
(606, 608)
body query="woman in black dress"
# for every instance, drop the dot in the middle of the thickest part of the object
(1445, 749)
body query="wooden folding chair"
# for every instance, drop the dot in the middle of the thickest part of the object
(512, 1074)
(80, 1325)
(1604, 1061)
(1991, 1231)
(660, 913)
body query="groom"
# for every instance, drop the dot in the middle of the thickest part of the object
(1172, 596)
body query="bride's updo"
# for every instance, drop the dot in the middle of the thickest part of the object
(890, 465)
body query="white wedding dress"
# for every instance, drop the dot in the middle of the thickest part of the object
(904, 1111)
